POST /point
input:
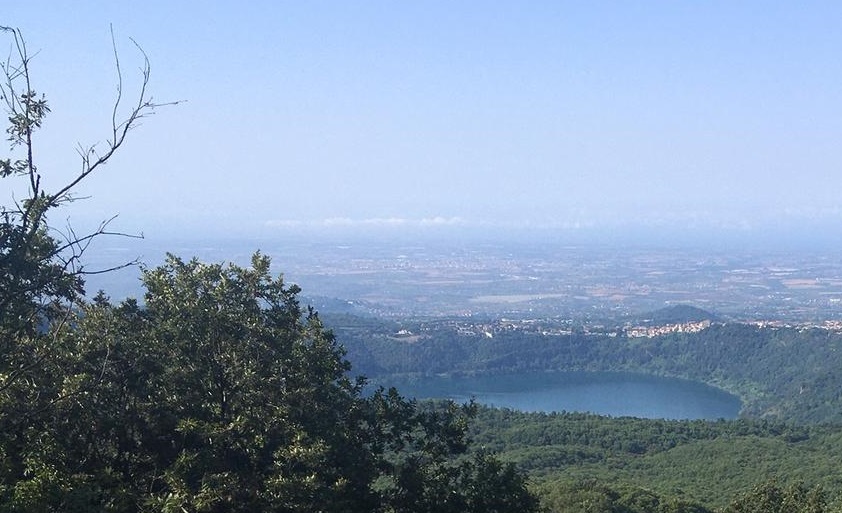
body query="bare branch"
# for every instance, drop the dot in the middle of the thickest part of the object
(144, 106)
(116, 107)
(75, 246)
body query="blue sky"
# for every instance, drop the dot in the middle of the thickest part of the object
(569, 115)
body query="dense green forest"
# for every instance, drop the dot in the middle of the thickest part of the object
(699, 462)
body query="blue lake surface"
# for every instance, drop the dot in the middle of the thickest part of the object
(605, 393)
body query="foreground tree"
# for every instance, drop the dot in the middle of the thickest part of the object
(224, 394)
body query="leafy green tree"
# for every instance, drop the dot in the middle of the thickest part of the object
(224, 394)
(265, 415)
(269, 420)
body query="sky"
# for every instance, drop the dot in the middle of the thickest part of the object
(565, 116)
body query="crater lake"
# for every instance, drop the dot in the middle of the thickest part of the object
(616, 394)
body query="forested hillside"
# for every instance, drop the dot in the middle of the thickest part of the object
(783, 373)
(700, 462)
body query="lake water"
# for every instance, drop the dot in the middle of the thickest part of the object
(605, 393)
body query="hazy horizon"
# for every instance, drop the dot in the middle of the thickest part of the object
(579, 119)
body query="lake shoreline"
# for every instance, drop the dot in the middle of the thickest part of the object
(609, 393)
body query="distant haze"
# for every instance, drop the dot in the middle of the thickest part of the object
(574, 118)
